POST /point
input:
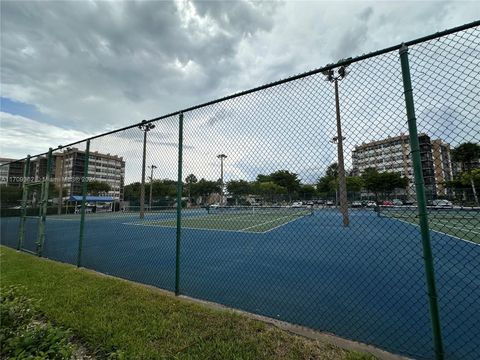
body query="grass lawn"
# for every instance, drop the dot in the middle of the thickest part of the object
(112, 316)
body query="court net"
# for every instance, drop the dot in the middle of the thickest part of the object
(409, 212)
(261, 210)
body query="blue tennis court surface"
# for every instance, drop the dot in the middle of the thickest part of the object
(365, 282)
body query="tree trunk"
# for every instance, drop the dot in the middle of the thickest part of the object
(473, 190)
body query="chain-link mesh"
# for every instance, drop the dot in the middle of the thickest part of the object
(266, 218)
(446, 83)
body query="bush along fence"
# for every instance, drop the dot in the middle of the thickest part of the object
(344, 199)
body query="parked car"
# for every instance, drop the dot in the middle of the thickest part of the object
(397, 202)
(357, 204)
(297, 204)
(329, 203)
(88, 209)
(387, 203)
(370, 204)
(442, 204)
(310, 203)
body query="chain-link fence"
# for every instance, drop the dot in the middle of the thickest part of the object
(344, 199)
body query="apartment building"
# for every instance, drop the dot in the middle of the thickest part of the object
(11, 172)
(69, 170)
(393, 155)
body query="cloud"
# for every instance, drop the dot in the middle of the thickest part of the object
(22, 136)
(94, 66)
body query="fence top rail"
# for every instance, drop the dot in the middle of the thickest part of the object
(341, 62)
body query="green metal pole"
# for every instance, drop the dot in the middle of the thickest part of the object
(84, 200)
(23, 216)
(179, 204)
(422, 207)
(44, 205)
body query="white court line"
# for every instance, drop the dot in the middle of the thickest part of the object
(193, 228)
(453, 236)
(288, 222)
(446, 222)
(268, 222)
(455, 227)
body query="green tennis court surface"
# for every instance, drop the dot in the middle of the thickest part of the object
(240, 219)
(461, 223)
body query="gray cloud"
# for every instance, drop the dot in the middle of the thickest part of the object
(96, 66)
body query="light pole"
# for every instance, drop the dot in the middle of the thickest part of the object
(145, 127)
(152, 167)
(221, 157)
(342, 185)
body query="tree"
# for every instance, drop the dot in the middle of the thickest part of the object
(472, 179)
(286, 179)
(329, 182)
(355, 183)
(165, 188)
(268, 190)
(466, 154)
(263, 178)
(332, 170)
(189, 180)
(131, 192)
(10, 195)
(239, 188)
(205, 188)
(96, 187)
(307, 192)
(384, 182)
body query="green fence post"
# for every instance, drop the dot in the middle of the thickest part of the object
(84, 200)
(44, 205)
(179, 205)
(422, 207)
(23, 213)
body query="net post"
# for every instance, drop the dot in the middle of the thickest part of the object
(179, 205)
(84, 200)
(422, 207)
(44, 205)
(23, 212)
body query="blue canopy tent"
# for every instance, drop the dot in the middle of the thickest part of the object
(91, 199)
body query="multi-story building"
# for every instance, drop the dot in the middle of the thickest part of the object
(393, 155)
(442, 162)
(11, 172)
(68, 171)
(106, 168)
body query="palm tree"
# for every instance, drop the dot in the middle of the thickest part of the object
(466, 154)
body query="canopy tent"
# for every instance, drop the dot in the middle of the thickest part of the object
(89, 198)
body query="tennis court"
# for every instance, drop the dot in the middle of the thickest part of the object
(463, 223)
(302, 266)
(235, 218)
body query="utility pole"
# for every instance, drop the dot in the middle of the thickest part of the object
(152, 167)
(221, 157)
(145, 127)
(342, 183)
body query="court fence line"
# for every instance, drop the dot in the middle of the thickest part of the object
(425, 173)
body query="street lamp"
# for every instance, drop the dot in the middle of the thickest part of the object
(221, 157)
(342, 185)
(152, 167)
(145, 127)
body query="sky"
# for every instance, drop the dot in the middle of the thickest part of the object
(73, 69)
